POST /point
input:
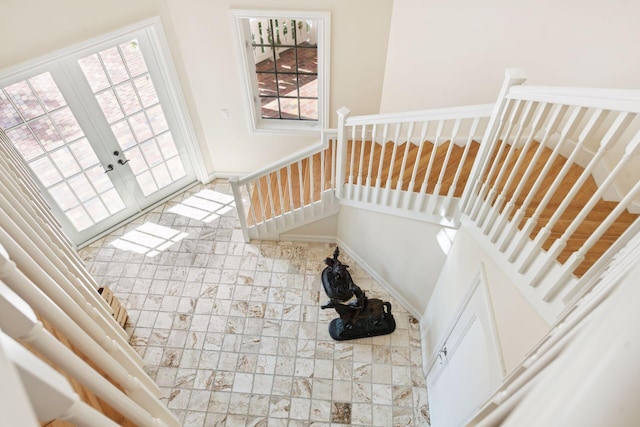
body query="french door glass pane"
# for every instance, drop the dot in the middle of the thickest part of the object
(36, 118)
(122, 86)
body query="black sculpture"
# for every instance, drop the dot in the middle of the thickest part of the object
(360, 317)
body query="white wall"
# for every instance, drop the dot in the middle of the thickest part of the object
(454, 53)
(519, 325)
(403, 252)
(204, 52)
(323, 230)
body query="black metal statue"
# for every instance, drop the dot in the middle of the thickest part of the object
(360, 317)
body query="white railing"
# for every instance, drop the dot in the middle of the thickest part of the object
(413, 164)
(39, 269)
(19, 321)
(554, 184)
(289, 193)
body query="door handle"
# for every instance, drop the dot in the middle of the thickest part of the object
(120, 161)
(108, 169)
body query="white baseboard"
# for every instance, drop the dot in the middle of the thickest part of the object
(375, 276)
(307, 238)
(225, 175)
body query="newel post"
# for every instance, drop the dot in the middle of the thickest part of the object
(237, 196)
(341, 152)
(513, 77)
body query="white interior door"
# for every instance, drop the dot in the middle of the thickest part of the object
(98, 131)
(469, 364)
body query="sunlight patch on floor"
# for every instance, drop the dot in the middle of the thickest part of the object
(149, 239)
(205, 205)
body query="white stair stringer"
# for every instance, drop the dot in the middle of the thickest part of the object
(548, 310)
(419, 203)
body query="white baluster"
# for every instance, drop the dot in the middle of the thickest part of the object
(394, 152)
(403, 166)
(301, 182)
(242, 217)
(572, 122)
(290, 189)
(494, 207)
(60, 291)
(361, 163)
(577, 257)
(416, 166)
(25, 327)
(446, 211)
(487, 191)
(513, 77)
(352, 157)
(436, 190)
(592, 126)
(432, 157)
(263, 212)
(370, 168)
(49, 392)
(556, 118)
(252, 208)
(341, 151)
(40, 234)
(280, 195)
(311, 180)
(558, 246)
(21, 185)
(377, 196)
(501, 224)
(323, 178)
(332, 150)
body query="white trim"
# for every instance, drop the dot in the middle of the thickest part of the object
(406, 304)
(257, 124)
(307, 238)
(450, 113)
(609, 99)
(158, 58)
(174, 90)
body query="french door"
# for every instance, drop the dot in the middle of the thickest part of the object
(98, 130)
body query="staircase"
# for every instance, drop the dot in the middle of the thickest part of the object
(543, 179)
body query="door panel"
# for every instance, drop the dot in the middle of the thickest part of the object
(46, 133)
(123, 88)
(100, 130)
(469, 364)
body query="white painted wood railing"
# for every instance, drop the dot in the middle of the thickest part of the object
(284, 195)
(564, 346)
(42, 269)
(410, 164)
(525, 189)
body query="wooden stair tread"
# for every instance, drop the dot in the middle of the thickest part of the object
(371, 163)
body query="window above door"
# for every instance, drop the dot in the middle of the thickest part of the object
(285, 59)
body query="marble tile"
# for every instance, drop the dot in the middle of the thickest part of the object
(341, 412)
(233, 333)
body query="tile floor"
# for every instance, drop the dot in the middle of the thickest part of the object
(234, 336)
